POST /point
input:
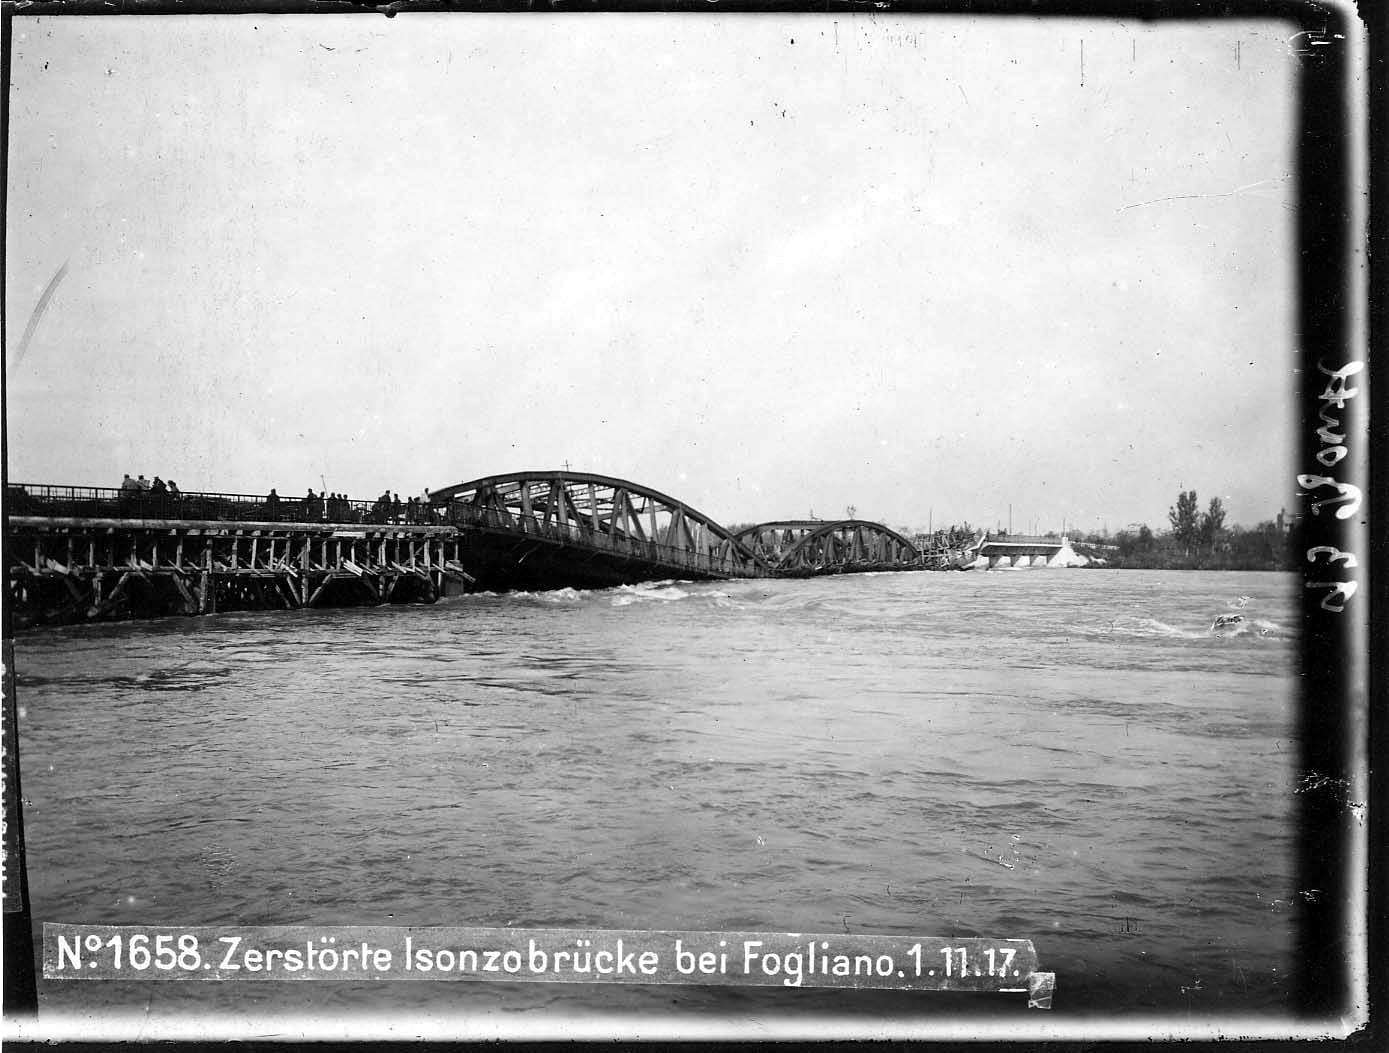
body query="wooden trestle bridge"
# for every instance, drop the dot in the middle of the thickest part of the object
(81, 553)
(85, 554)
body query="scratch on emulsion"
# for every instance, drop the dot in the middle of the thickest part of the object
(37, 314)
(1237, 192)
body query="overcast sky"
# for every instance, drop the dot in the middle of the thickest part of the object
(928, 267)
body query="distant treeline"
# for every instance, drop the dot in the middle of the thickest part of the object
(1196, 541)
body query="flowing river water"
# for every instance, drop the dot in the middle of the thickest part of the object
(1071, 757)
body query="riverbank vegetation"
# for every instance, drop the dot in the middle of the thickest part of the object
(1194, 540)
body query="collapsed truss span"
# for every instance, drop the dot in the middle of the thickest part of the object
(802, 547)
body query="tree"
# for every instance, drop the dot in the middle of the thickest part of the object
(1212, 522)
(1186, 520)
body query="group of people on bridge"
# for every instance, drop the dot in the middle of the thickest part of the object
(339, 508)
(160, 499)
(156, 487)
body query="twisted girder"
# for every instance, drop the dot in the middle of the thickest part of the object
(599, 512)
(812, 545)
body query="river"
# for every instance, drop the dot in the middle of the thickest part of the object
(1069, 756)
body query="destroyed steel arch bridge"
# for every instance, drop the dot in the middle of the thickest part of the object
(88, 553)
(552, 529)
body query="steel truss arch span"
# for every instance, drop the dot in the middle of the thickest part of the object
(813, 546)
(602, 513)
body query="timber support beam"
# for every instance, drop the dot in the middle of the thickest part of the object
(65, 569)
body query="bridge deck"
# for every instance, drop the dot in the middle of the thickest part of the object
(227, 526)
(1021, 545)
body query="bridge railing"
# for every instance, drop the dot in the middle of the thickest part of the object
(462, 514)
(96, 502)
(1002, 537)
